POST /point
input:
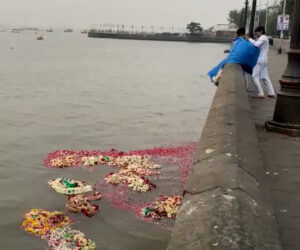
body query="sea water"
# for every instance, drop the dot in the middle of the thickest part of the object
(69, 91)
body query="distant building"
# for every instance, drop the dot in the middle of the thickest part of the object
(210, 31)
(225, 30)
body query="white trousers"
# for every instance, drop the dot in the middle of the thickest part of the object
(260, 72)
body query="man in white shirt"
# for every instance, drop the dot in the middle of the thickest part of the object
(260, 71)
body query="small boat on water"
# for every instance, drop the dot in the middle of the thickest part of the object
(40, 38)
(16, 30)
(68, 30)
(49, 30)
(30, 29)
(84, 32)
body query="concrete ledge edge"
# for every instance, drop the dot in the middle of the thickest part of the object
(229, 208)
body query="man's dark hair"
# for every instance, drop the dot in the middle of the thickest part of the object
(261, 29)
(241, 32)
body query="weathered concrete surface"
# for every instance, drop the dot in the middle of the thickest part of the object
(225, 204)
(281, 160)
(218, 220)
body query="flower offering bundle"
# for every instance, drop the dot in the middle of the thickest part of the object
(163, 207)
(41, 222)
(69, 186)
(132, 180)
(67, 238)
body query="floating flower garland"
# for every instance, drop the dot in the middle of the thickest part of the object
(95, 160)
(134, 168)
(64, 161)
(163, 207)
(178, 156)
(137, 163)
(181, 155)
(133, 181)
(140, 164)
(53, 227)
(69, 186)
(81, 203)
(41, 222)
(70, 158)
(67, 238)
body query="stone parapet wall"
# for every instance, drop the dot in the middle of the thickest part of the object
(226, 205)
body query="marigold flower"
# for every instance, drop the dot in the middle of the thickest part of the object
(41, 222)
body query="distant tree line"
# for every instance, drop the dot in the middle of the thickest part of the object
(236, 16)
(194, 27)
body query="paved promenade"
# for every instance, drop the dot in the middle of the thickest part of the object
(281, 160)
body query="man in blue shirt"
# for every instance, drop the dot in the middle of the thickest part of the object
(241, 32)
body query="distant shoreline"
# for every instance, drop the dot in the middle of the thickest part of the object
(173, 37)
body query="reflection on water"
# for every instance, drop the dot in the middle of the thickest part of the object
(71, 92)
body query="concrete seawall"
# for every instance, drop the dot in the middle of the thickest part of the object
(162, 37)
(226, 205)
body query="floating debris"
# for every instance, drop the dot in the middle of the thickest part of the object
(41, 222)
(134, 168)
(209, 151)
(181, 157)
(53, 227)
(67, 238)
(64, 161)
(132, 180)
(95, 160)
(164, 206)
(81, 204)
(136, 163)
(69, 186)
(70, 158)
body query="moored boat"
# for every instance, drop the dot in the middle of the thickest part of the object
(68, 30)
(16, 30)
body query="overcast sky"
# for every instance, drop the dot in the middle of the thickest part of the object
(82, 13)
